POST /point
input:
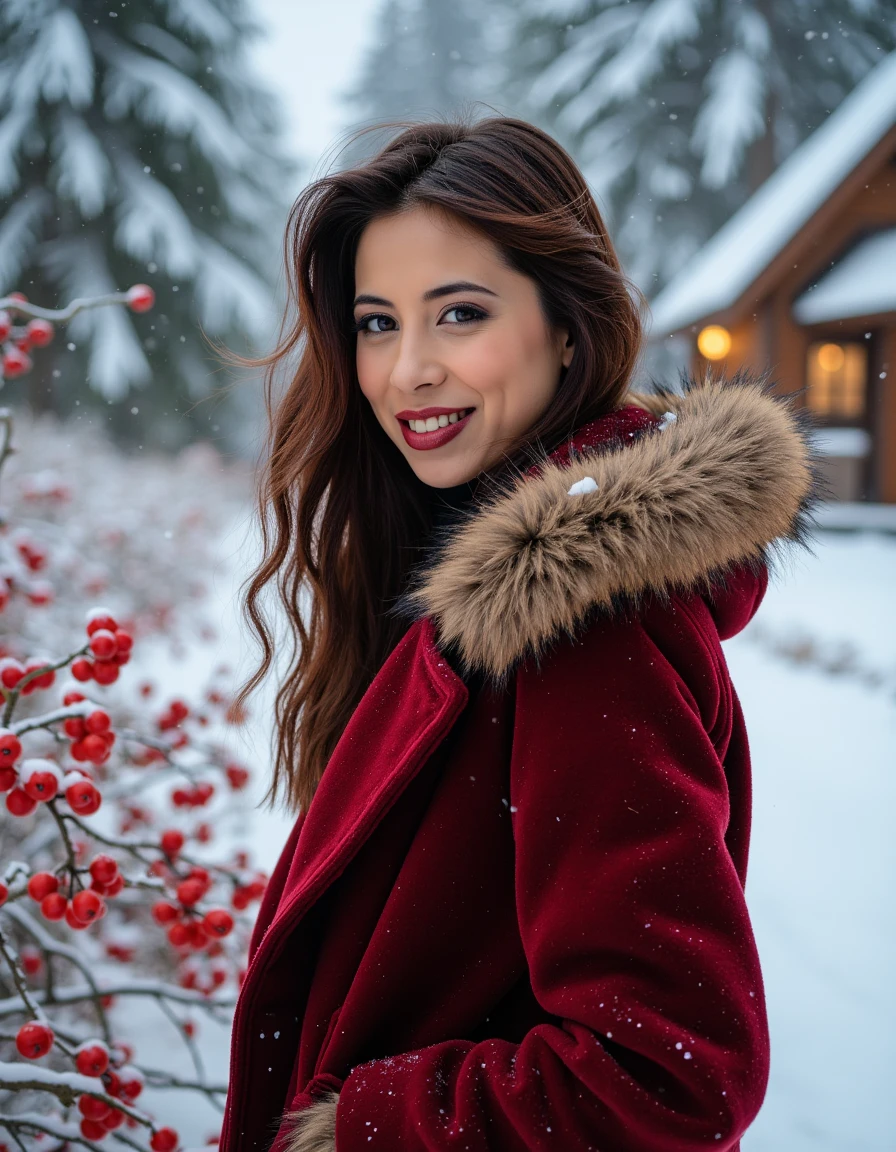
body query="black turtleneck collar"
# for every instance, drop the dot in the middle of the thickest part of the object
(447, 503)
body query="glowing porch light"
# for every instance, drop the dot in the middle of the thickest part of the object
(831, 357)
(714, 342)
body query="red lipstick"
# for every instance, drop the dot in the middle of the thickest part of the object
(435, 439)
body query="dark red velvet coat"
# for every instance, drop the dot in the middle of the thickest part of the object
(513, 916)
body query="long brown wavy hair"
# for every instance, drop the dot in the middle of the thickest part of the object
(343, 517)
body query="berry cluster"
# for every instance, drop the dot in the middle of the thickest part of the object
(91, 735)
(117, 1078)
(110, 646)
(38, 779)
(17, 341)
(13, 672)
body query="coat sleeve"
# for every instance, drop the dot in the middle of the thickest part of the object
(631, 913)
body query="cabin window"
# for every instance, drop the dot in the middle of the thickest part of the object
(837, 375)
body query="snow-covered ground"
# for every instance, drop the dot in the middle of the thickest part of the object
(822, 853)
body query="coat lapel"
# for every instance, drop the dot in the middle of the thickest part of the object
(409, 708)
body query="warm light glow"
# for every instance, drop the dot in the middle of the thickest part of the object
(831, 357)
(837, 376)
(714, 342)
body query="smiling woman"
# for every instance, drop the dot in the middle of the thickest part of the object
(511, 913)
(480, 349)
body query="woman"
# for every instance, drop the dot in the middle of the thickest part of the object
(513, 915)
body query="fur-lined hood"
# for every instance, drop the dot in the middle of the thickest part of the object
(723, 474)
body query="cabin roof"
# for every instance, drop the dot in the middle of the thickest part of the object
(731, 261)
(861, 283)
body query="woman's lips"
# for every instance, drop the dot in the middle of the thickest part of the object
(436, 439)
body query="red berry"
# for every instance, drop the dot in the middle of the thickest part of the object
(16, 362)
(19, 802)
(42, 884)
(141, 298)
(83, 797)
(164, 1140)
(113, 1118)
(8, 779)
(92, 1108)
(10, 748)
(40, 332)
(72, 920)
(41, 785)
(31, 960)
(53, 906)
(98, 721)
(204, 792)
(95, 748)
(114, 886)
(238, 777)
(172, 841)
(190, 892)
(11, 672)
(178, 934)
(81, 669)
(125, 640)
(92, 1060)
(92, 1129)
(104, 868)
(105, 672)
(165, 913)
(34, 1040)
(103, 644)
(4, 892)
(218, 922)
(131, 1083)
(75, 727)
(88, 905)
(45, 680)
(100, 618)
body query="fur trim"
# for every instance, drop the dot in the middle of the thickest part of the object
(729, 481)
(313, 1128)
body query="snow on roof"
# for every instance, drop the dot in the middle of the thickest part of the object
(722, 271)
(863, 283)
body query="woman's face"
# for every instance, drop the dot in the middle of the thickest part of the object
(446, 325)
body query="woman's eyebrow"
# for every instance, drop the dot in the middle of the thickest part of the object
(432, 294)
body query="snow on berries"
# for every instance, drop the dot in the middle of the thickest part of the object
(92, 1058)
(109, 645)
(40, 778)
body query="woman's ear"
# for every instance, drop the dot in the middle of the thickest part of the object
(568, 346)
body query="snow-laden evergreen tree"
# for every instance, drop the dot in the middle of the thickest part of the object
(136, 145)
(678, 109)
(428, 59)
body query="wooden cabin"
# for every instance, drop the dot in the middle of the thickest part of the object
(802, 280)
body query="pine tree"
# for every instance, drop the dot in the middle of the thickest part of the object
(428, 60)
(678, 109)
(136, 146)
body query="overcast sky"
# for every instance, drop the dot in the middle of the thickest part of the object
(313, 52)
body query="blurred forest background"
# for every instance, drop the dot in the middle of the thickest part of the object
(140, 141)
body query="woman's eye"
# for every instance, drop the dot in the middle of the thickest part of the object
(473, 313)
(361, 325)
